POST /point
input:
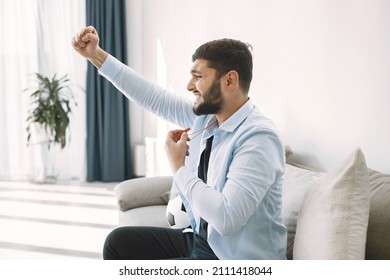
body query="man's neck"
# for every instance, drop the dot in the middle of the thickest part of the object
(230, 110)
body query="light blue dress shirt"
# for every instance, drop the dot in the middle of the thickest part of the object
(242, 200)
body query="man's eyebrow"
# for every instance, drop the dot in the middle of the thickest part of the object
(194, 71)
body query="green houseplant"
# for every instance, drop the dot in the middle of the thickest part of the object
(50, 107)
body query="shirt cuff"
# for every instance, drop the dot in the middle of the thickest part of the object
(181, 177)
(185, 179)
(110, 67)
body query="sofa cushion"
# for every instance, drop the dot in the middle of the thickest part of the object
(378, 232)
(333, 220)
(153, 215)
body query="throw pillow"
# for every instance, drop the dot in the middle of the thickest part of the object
(295, 184)
(333, 220)
(166, 196)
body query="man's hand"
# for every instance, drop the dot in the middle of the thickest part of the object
(176, 149)
(86, 43)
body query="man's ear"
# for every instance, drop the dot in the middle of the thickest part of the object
(231, 80)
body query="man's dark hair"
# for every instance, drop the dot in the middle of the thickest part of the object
(225, 55)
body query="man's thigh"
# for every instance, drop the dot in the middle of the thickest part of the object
(147, 243)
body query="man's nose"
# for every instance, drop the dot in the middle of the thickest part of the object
(191, 85)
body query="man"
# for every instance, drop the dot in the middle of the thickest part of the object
(228, 172)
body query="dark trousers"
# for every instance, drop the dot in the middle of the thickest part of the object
(153, 243)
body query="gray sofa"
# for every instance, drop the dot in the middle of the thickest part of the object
(340, 214)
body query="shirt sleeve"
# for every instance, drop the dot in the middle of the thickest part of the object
(171, 107)
(253, 170)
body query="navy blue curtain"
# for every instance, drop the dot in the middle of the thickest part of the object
(108, 140)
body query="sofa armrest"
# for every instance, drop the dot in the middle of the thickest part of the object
(141, 192)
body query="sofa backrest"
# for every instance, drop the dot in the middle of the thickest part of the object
(378, 231)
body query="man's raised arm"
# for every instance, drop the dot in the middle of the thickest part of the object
(86, 43)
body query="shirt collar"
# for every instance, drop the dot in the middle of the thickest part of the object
(238, 117)
(232, 122)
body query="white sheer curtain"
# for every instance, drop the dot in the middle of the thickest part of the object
(36, 37)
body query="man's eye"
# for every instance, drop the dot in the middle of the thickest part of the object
(197, 77)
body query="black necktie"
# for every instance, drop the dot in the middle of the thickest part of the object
(202, 174)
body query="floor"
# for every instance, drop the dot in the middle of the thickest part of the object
(55, 222)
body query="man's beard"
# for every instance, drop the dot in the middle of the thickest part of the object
(212, 100)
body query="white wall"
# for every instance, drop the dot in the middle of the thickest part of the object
(321, 68)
